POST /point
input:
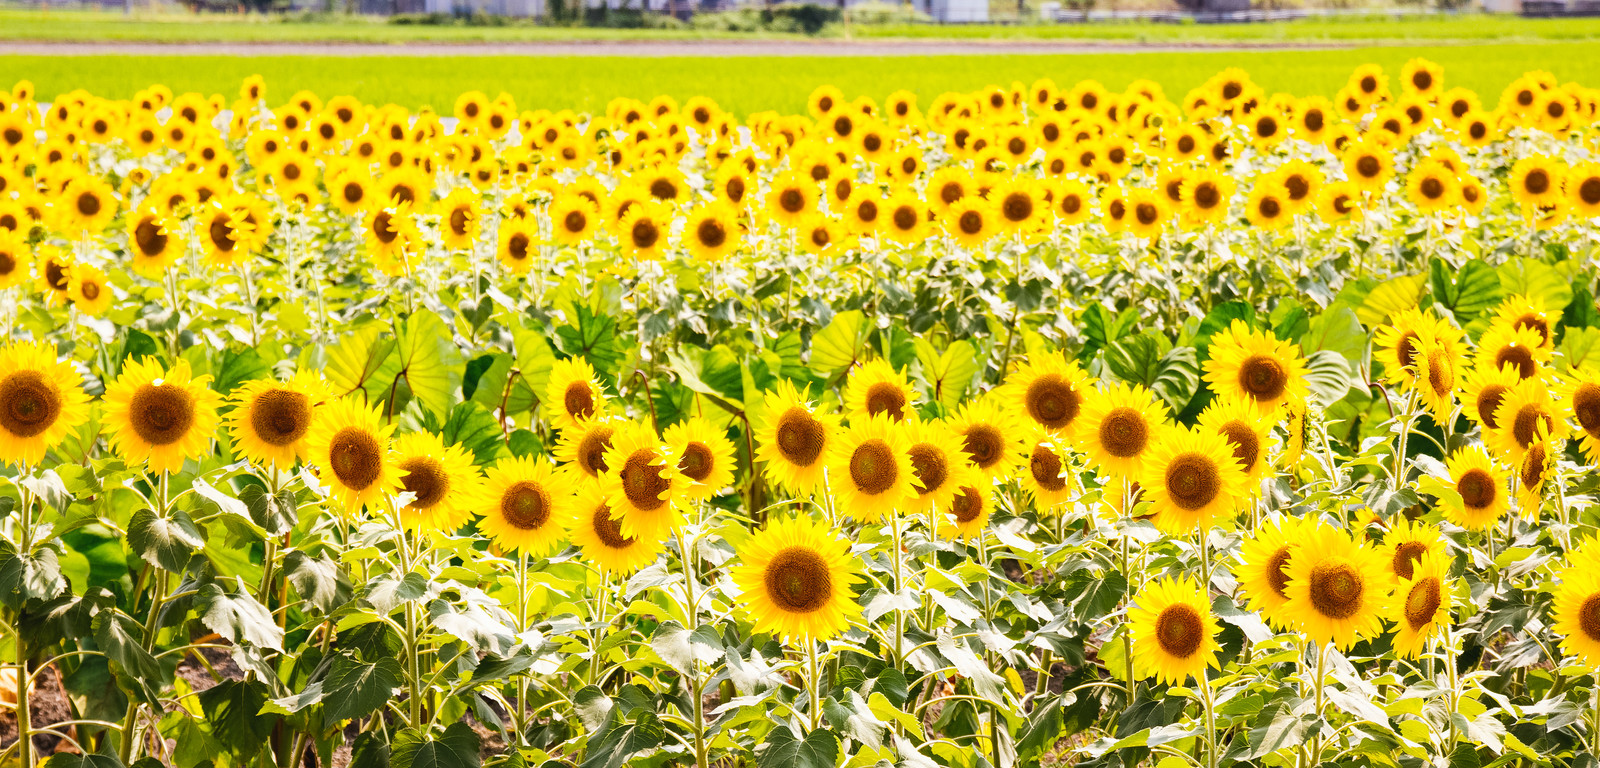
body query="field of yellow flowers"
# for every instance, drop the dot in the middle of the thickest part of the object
(1042, 425)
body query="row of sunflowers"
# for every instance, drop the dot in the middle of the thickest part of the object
(1040, 425)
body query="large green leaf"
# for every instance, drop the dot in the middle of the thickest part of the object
(355, 688)
(592, 337)
(1536, 280)
(165, 542)
(1387, 299)
(1151, 361)
(1470, 291)
(1580, 347)
(32, 576)
(425, 360)
(819, 749)
(1329, 375)
(1336, 330)
(840, 344)
(1101, 328)
(352, 364)
(237, 616)
(457, 747)
(136, 671)
(948, 373)
(232, 709)
(621, 738)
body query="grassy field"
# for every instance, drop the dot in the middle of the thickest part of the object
(1378, 28)
(745, 84)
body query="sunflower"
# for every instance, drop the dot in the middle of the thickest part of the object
(1536, 181)
(905, 218)
(15, 258)
(1480, 486)
(948, 186)
(705, 456)
(1436, 363)
(819, 235)
(1174, 632)
(1020, 203)
(441, 479)
(1205, 196)
(1338, 589)
(1340, 202)
(41, 400)
(1073, 202)
(795, 441)
(1421, 604)
(1268, 205)
(1048, 476)
(1397, 345)
(790, 198)
(642, 482)
(865, 212)
(591, 526)
(644, 231)
(1147, 213)
(1117, 428)
(1432, 187)
(990, 436)
(1580, 394)
(1049, 390)
(1191, 478)
(1526, 408)
(1533, 472)
(154, 242)
(573, 394)
(712, 232)
(877, 388)
(524, 501)
(515, 247)
(160, 417)
(1263, 573)
(460, 218)
(88, 290)
(1240, 423)
(1577, 610)
(271, 420)
(1583, 189)
(1255, 365)
(351, 447)
(1369, 165)
(870, 466)
(938, 461)
(797, 579)
(86, 205)
(1407, 541)
(582, 449)
(971, 221)
(970, 505)
(1521, 313)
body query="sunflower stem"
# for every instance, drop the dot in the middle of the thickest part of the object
(24, 719)
(1448, 658)
(1317, 689)
(1127, 596)
(815, 686)
(1212, 748)
(899, 585)
(520, 720)
(1400, 444)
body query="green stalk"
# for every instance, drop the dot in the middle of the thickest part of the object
(899, 584)
(24, 716)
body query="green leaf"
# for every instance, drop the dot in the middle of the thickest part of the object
(1536, 280)
(355, 689)
(1282, 730)
(232, 708)
(592, 337)
(681, 648)
(457, 747)
(1397, 295)
(136, 671)
(1337, 330)
(235, 368)
(35, 576)
(165, 542)
(1101, 329)
(1149, 360)
(237, 616)
(352, 364)
(317, 580)
(619, 739)
(819, 749)
(64, 760)
(1471, 291)
(840, 344)
(1328, 373)
(1580, 347)
(949, 373)
(425, 359)
(1045, 727)
(276, 515)
(1219, 319)
(475, 430)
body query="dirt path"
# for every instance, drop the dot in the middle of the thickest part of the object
(639, 48)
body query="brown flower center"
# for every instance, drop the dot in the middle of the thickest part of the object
(526, 507)
(643, 480)
(884, 397)
(1278, 571)
(1422, 603)
(29, 405)
(1524, 427)
(1406, 555)
(1263, 377)
(578, 400)
(1124, 433)
(873, 468)
(697, 461)
(797, 580)
(592, 450)
(1477, 488)
(800, 437)
(967, 504)
(161, 414)
(1488, 402)
(1337, 589)
(1245, 442)
(355, 457)
(147, 236)
(280, 417)
(1192, 481)
(425, 477)
(1180, 630)
(929, 465)
(1052, 401)
(1045, 466)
